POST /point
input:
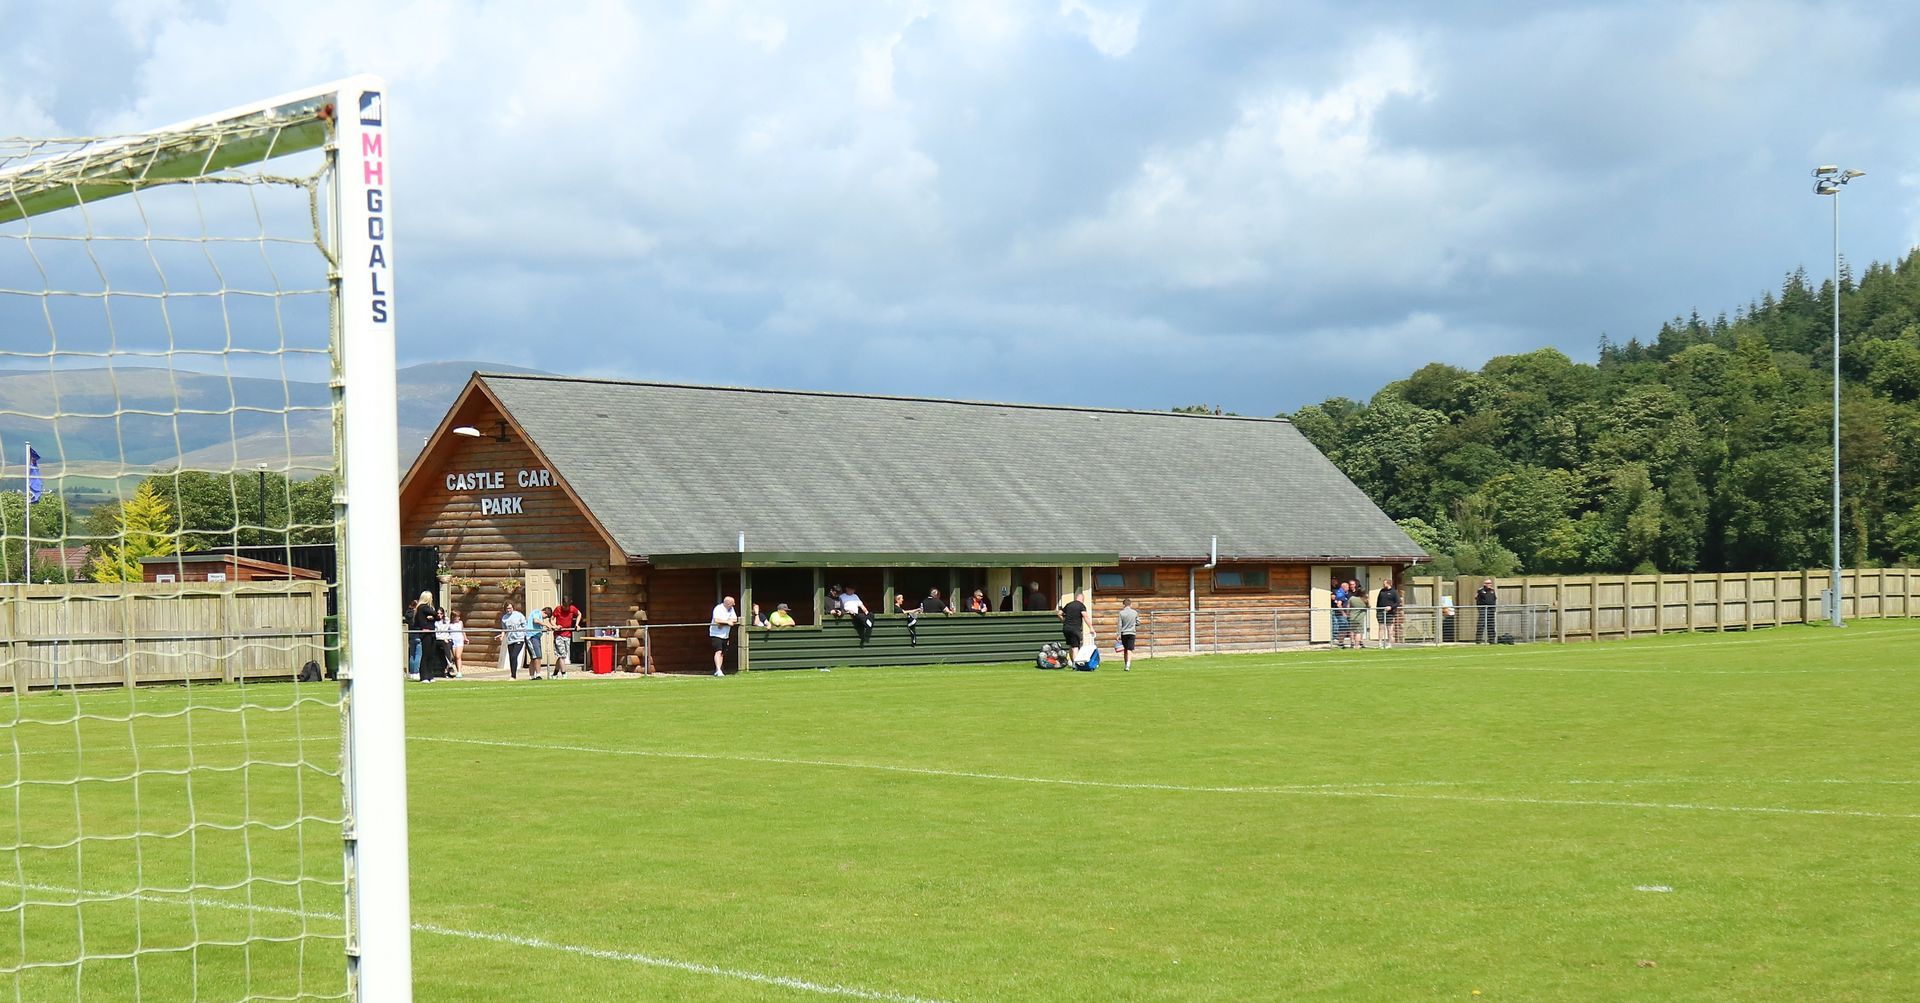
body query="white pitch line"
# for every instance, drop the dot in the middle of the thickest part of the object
(881, 767)
(1323, 790)
(598, 953)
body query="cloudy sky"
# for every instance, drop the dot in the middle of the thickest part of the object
(1257, 204)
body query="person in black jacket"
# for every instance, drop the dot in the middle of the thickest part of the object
(1486, 599)
(1388, 603)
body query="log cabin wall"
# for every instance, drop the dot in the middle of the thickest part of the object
(686, 597)
(1250, 623)
(543, 529)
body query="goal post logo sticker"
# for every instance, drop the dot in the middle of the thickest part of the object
(373, 174)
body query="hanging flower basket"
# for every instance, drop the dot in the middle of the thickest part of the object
(511, 585)
(599, 584)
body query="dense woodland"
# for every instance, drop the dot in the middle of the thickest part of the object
(1705, 448)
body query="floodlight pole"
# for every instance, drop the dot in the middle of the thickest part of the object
(1828, 181)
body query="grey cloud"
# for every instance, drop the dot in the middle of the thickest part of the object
(1257, 204)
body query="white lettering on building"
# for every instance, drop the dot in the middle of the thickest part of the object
(509, 505)
(496, 480)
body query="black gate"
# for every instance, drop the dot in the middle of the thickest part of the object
(419, 571)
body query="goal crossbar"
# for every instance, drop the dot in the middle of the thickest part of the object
(180, 152)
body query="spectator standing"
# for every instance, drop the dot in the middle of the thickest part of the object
(566, 617)
(759, 618)
(457, 639)
(1446, 619)
(1035, 600)
(443, 640)
(934, 604)
(1388, 602)
(1006, 600)
(1128, 624)
(1357, 608)
(782, 617)
(721, 628)
(413, 639)
(513, 634)
(1341, 626)
(835, 608)
(425, 648)
(536, 626)
(1487, 600)
(977, 603)
(1073, 621)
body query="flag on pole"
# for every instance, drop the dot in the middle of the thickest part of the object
(35, 485)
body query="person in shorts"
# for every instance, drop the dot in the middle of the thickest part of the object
(566, 617)
(1128, 624)
(536, 627)
(1073, 621)
(719, 630)
(1388, 603)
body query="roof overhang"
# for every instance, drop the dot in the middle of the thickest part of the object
(840, 559)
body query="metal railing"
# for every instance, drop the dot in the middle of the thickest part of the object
(1226, 630)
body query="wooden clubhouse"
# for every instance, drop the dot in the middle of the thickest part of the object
(646, 502)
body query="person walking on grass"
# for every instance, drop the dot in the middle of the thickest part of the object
(513, 635)
(719, 630)
(1128, 624)
(1073, 621)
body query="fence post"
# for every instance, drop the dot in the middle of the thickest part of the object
(14, 640)
(1593, 609)
(228, 650)
(127, 648)
(1749, 603)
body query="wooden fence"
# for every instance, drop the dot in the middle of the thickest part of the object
(1603, 607)
(134, 633)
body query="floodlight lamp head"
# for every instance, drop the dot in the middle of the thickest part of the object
(1825, 187)
(467, 430)
(1826, 169)
(1849, 175)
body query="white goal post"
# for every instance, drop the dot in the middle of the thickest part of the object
(344, 126)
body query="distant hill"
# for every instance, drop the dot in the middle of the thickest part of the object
(130, 420)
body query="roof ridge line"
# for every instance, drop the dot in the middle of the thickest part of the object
(850, 395)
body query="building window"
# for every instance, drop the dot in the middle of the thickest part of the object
(1243, 579)
(1123, 581)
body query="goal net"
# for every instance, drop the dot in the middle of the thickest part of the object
(202, 774)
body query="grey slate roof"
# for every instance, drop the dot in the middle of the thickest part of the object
(674, 469)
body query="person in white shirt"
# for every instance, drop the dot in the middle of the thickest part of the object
(857, 610)
(724, 617)
(513, 632)
(457, 641)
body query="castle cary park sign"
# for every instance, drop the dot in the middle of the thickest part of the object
(496, 480)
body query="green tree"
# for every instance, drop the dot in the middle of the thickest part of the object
(145, 529)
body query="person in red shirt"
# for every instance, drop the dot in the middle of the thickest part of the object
(566, 616)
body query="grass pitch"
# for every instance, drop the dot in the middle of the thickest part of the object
(1690, 817)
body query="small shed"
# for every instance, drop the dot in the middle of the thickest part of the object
(220, 568)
